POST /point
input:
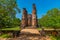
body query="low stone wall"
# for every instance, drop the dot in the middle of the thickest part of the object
(11, 33)
(28, 37)
(17, 33)
(3, 38)
(6, 38)
(52, 32)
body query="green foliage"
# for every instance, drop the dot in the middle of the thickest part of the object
(51, 19)
(55, 37)
(15, 28)
(5, 36)
(52, 38)
(8, 9)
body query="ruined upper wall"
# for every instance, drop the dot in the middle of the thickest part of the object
(29, 20)
(34, 16)
(24, 22)
(34, 7)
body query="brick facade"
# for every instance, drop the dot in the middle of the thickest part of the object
(24, 22)
(29, 19)
(34, 17)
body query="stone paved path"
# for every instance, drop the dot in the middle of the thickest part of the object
(30, 31)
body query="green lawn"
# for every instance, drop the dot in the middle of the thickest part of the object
(5, 36)
(55, 38)
(17, 28)
(13, 28)
(48, 29)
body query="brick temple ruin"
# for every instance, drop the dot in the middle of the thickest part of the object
(29, 20)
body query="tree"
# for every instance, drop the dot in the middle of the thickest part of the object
(8, 9)
(51, 19)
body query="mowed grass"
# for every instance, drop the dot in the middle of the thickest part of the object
(4, 36)
(12, 28)
(55, 37)
(17, 28)
(48, 29)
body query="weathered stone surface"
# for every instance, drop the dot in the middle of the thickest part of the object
(6, 38)
(3, 38)
(34, 16)
(28, 37)
(24, 21)
(29, 20)
(30, 31)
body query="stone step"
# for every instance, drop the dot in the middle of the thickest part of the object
(30, 27)
(30, 31)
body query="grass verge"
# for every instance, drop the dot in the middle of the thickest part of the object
(12, 28)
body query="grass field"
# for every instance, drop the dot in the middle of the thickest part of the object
(55, 38)
(13, 28)
(18, 28)
(4, 36)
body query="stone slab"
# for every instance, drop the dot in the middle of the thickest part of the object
(30, 31)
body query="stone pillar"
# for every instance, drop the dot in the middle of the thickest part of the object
(24, 22)
(34, 17)
(29, 20)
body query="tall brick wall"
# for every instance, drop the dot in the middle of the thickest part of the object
(34, 16)
(24, 22)
(29, 19)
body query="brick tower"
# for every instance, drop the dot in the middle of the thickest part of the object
(24, 22)
(34, 17)
(29, 20)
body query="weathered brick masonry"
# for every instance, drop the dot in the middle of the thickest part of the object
(29, 20)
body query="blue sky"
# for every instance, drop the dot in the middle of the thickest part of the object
(42, 6)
